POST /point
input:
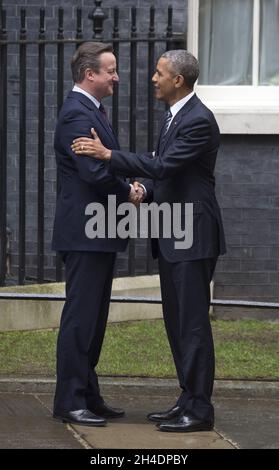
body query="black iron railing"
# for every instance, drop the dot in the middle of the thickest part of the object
(33, 124)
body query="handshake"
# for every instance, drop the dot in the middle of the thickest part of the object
(137, 193)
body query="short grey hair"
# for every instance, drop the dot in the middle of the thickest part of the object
(183, 63)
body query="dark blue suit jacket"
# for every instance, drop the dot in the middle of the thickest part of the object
(83, 180)
(183, 171)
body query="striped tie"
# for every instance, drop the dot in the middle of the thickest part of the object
(166, 122)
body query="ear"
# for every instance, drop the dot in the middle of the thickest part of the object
(179, 81)
(89, 74)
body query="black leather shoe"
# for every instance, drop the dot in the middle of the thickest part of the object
(107, 411)
(185, 423)
(173, 412)
(80, 417)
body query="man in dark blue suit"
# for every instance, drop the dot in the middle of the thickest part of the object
(182, 170)
(89, 263)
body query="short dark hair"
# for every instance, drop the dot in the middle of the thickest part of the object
(183, 63)
(87, 56)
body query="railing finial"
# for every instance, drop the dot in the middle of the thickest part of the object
(97, 16)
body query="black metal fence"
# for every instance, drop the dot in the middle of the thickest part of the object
(34, 78)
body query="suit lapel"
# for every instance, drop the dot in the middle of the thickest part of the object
(101, 119)
(176, 120)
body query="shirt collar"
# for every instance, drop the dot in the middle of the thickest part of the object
(179, 104)
(92, 98)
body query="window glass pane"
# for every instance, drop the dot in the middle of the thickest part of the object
(269, 43)
(225, 42)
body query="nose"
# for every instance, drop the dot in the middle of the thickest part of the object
(116, 77)
(154, 78)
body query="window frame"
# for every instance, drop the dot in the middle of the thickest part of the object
(249, 109)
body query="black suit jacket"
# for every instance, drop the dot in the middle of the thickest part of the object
(83, 180)
(183, 171)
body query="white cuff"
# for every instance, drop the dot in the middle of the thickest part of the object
(144, 190)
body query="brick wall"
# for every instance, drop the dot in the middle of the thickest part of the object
(247, 177)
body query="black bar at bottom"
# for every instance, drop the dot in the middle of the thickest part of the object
(143, 300)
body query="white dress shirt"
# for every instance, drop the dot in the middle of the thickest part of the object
(85, 93)
(179, 104)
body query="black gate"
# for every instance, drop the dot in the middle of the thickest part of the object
(34, 79)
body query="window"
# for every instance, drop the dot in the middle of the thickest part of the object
(236, 43)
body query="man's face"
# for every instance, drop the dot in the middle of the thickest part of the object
(164, 82)
(106, 77)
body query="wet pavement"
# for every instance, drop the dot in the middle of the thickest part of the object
(246, 417)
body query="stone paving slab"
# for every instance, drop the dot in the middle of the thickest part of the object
(252, 423)
(134, 431)
(26, 423)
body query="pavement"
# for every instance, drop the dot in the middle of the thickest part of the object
(246, 416)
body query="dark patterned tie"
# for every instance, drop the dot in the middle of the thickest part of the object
(103, 111)
(166, 122)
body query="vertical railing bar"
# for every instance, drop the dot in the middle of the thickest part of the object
(133, 81)
(169, 33)
(133, 106)
(115, 98)
(3, 149)
(150, 117)
(41, 157)
(79, 34)
(59, 100)
(150, 111)
(22, 150)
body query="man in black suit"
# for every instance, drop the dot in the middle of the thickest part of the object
(89, 263)
(182, 169)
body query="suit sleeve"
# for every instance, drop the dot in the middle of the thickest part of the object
(92, 171)
(188, 146)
